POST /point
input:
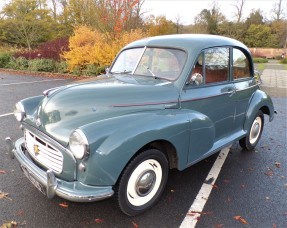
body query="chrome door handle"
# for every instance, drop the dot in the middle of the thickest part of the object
(230, 92)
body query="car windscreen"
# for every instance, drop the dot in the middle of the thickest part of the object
(164, 63)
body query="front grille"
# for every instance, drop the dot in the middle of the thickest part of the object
(43, 153)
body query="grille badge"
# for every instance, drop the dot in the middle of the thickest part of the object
(36, 149)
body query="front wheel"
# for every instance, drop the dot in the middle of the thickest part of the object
(250, 141)
(142, 182)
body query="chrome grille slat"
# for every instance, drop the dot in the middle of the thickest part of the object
(47, 155)
(49, 159)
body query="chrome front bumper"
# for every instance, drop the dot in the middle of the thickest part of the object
(47, 183)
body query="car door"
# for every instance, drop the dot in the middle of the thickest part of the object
(244, 85)
(209, 92)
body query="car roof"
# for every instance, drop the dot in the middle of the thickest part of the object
(187, 41)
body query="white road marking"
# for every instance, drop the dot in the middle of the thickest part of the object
(196, 208)
(20, 83)
(8, 114)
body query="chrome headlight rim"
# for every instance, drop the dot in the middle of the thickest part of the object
(19, 112)
(79, 145)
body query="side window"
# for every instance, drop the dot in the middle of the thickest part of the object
(241, 66)
(216, 65)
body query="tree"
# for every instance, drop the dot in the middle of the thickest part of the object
(116, 15)
(255, 18)
(239, 9)
(160, 26)
(177, 23)
(210, 19)
(278, 10)
(90, 47)
(107, 16)
(259, 35)
(25, 23)
(279, 28)
(233, 30)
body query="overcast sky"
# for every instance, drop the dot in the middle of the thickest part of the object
(187, 10)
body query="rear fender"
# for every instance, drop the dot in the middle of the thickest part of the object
(259, 101)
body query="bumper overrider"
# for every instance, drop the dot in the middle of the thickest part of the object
(50, 185)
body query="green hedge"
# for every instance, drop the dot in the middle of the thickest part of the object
(45, 65)
(4, 59)
(284, 61)
(260, 60)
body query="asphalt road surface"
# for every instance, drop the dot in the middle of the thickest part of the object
(250, 191)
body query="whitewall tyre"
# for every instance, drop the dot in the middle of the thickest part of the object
(142, 182)
(250, 141)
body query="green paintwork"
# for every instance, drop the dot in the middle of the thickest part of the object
(121, 114)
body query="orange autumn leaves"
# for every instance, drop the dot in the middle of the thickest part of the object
(90, 47)
(240, 219)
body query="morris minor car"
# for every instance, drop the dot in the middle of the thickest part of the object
(166, 102)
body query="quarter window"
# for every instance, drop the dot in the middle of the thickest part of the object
(241, 66)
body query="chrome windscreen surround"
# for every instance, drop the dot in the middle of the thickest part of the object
(43, 153)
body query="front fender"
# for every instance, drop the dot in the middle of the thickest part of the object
(259, 101)
(115, 141)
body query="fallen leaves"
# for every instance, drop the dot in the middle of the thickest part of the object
(215, 186)
(269, 172)
(226, 181)
(193, 213)
(277, 164)
(20, 213)
(4, 195)
(98, 220)
(11, 224)
(240, 219)
(135, 225)
(2, 171)
(64, 205)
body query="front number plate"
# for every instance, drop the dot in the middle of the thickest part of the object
(36, 183)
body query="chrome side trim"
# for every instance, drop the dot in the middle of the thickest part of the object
(238, 90)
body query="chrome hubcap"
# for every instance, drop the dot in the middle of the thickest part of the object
(255, 130)
(145, 183)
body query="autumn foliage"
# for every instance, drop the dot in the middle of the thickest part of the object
(90, 47)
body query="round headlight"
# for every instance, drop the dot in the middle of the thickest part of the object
(19, 112)
(79, 144)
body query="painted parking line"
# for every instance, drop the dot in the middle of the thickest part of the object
(8, 114)
(198, 204)
(20, 83)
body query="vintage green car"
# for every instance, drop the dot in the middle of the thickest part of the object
(166, 102)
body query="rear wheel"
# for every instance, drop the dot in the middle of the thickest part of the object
(250, 141)
(142, 182)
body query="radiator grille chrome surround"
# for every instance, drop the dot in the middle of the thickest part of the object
(43, 153)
